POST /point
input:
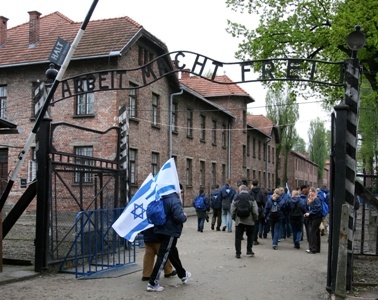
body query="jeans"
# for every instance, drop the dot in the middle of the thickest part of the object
(297, 227)
(276, 231)
(226, 220)
(201, 222)
(264, 228)
(239, 231)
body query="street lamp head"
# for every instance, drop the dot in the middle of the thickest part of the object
(356, 39)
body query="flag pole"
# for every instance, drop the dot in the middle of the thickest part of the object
(43, 110)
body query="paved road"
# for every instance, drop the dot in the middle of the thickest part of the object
(286, 273)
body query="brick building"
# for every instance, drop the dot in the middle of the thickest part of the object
(210, 135)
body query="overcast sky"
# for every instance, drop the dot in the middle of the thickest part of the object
(195, 25)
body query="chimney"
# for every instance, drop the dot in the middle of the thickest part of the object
(3, 30)
(185, 74)
(33, 27)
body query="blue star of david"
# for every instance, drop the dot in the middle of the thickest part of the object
(138, 211)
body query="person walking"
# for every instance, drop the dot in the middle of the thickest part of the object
(151, 249)
(244, 212)
(297, 211)
(216, 205)
(168, 235)
(314, 216)
(303, 196)
(202, 205)
(227, 193)
(273, 212)
(259, 195)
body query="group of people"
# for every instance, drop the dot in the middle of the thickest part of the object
(254, 212)
(283, 214)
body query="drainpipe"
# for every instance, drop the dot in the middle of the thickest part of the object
(266, 162)
(171, 121)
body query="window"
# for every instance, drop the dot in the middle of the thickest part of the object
(133, 101)
(248, 144)
(244, 120)
(3, 101)
(189, 123)
(84, 101)
(213, 174)
(223, 173)
(259, 151)
(254, 148)
(32, 165)
(132, 161)
(268, 153)
(174, 116)
(224, 135)
(244, 155)
(202, 173)
(188, 172)
(203, 128)
(273, 155)
(144, 56)
(80, 173)
(214, 132)
(264, 151)
(155, 110)
(155, 163)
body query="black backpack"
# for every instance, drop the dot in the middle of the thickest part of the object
(275, 211)
(243, 208)
(296, 211)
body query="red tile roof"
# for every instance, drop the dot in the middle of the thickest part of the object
(100, 38)
(261, 122)
(212, 89)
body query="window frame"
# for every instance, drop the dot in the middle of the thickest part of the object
(87, 177)
(85, 100)
(3, 100)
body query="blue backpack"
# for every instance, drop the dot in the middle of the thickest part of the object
(156, 212)
(199, 203)
(325, 209)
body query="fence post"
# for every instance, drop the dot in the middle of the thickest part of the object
(340, 287)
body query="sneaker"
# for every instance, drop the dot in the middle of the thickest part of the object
(154, 288)
(275, 247)
(174, 273)
(256, 243)
(224, 228)
(186, 278)
(308, 250)
(212, 227)
(260, 235)
(251, 253)
(237, 255)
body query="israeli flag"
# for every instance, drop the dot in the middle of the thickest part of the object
(134, 219)
(287, 189)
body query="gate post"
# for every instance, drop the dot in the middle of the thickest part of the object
(43, 193)
(355, 41)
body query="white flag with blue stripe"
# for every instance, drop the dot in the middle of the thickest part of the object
(134, 219)
(287, 189)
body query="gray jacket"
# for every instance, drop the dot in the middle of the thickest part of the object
(250, 220)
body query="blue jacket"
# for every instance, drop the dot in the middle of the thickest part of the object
(205, 200)
(149, 236)
(315, 209)
(215, 199)
(227, 191)
(302, 204)
(281, 204)
(175, 216)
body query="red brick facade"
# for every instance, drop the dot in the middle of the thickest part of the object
(221, 142)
